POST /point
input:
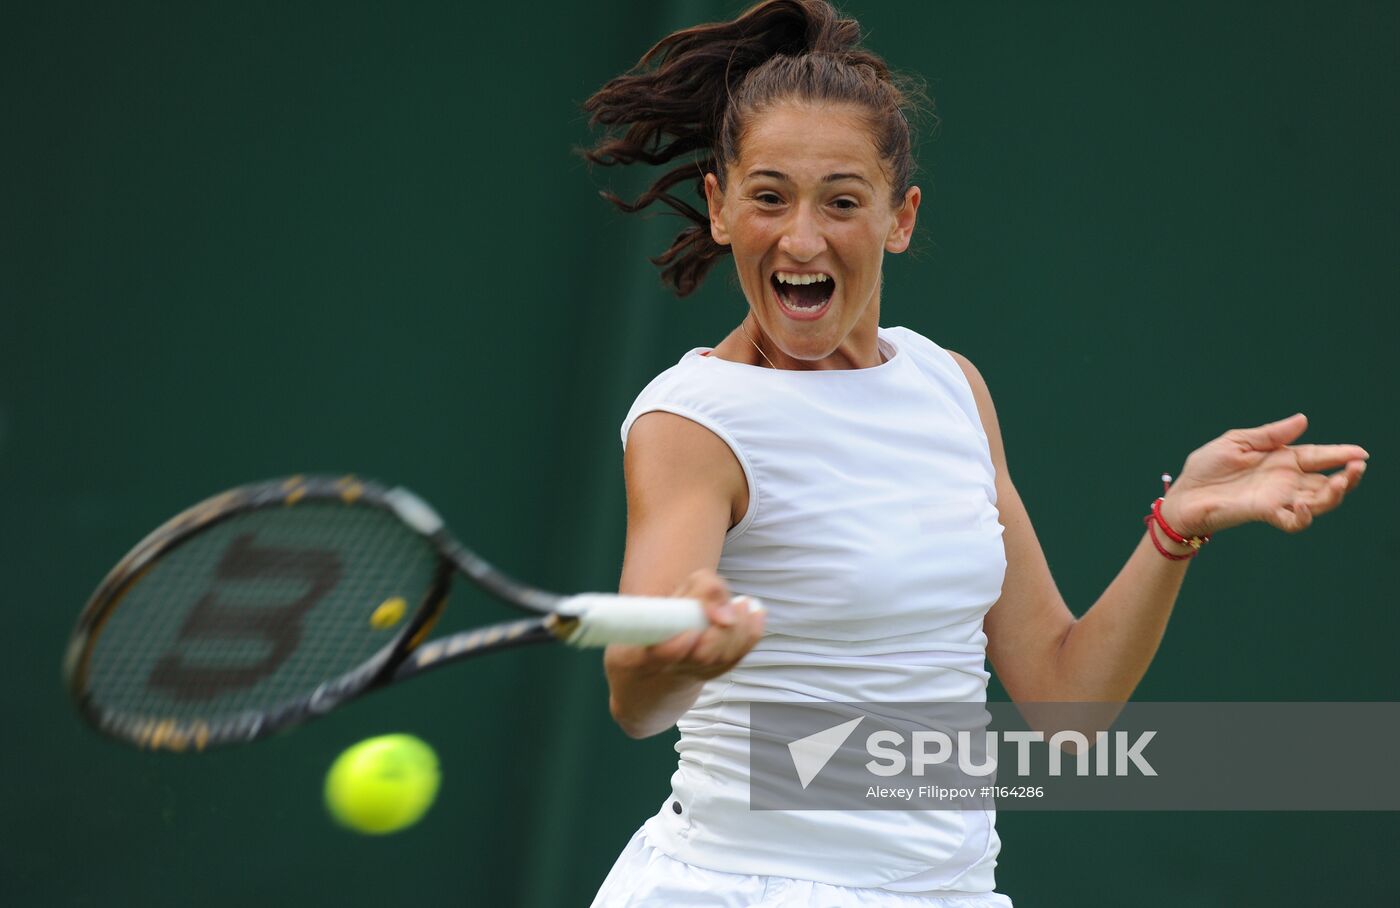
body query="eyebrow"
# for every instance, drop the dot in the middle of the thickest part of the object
(829, 178)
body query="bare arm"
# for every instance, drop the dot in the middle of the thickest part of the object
(1042, 653)
(684, 490)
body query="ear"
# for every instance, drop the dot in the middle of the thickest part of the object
(714, 199)
(897, 240)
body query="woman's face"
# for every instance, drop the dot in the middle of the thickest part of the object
(807, 214)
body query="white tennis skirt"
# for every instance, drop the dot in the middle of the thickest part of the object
(644, 877)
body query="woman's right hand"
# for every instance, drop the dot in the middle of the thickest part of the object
(736, 624)
(652, 686)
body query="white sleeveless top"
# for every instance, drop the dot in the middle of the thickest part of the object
(872, 537)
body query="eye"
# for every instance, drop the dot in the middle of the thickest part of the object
(768, 198)
(844, 204)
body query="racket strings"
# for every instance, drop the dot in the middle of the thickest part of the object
(260, 609)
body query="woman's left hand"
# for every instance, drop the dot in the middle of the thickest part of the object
(1254, 474)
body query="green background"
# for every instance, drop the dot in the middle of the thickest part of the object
(244, 240)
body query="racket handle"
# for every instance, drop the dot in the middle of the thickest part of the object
(605, 618)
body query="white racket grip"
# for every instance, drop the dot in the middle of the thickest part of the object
(637, 620)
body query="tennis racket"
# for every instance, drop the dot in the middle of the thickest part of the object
(273, 603)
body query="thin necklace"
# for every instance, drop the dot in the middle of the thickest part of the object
(755, 344)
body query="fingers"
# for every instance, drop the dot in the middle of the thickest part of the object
(712, 593)
(714, 650)
(721, 647)
(1317, 494)
(736, 624)
(1270, 435)
(1313, 458)
(1354, 471)
(670, 651)
(1323, 493)
(1292, 518)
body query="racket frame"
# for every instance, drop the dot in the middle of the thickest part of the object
(401, 657)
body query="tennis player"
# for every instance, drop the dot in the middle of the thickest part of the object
(852, 477)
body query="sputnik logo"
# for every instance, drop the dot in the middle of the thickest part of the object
(811, 754)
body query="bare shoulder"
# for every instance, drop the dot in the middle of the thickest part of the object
(667, 442)
(673, 460)
(985, 409)
(974, 378)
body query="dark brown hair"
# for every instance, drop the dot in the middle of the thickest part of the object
(692, 95)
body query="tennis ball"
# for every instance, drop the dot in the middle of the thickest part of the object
(389, 613)
(382, 784)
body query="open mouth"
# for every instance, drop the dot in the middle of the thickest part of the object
(803, 295)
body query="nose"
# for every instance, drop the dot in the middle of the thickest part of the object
(802, 237)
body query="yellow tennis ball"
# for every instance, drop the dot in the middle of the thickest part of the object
(389, 613)
(382, 784)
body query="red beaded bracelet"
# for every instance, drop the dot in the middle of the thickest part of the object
(1155, 519)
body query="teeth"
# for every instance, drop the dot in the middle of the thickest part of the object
(788, 277)
(792, 307)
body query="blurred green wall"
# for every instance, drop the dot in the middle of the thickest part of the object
(243, 240)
